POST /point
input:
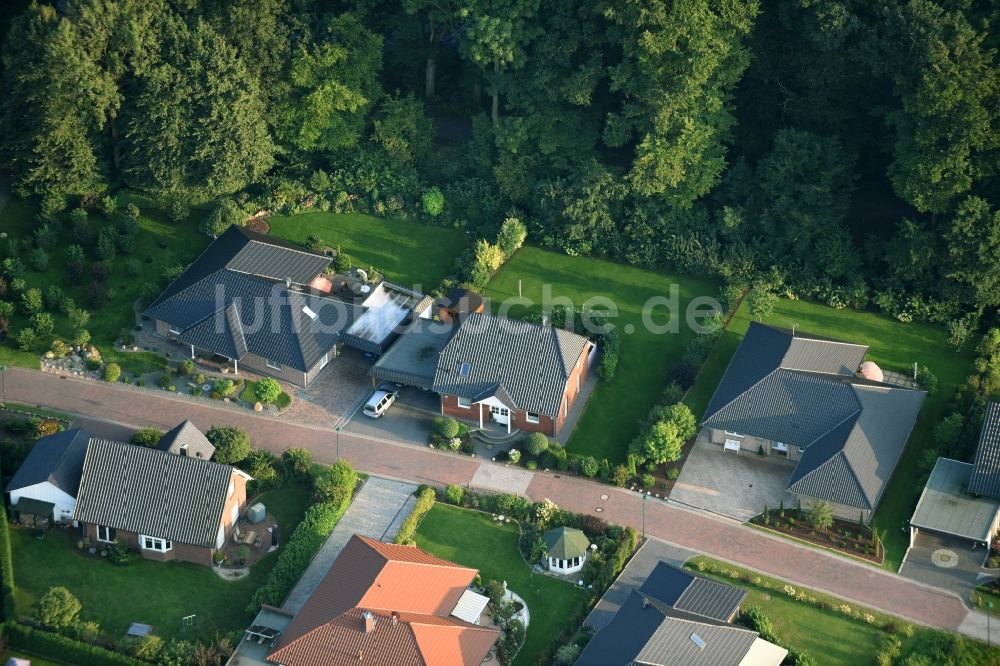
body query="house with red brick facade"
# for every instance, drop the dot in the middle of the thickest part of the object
(514, 373)
(166, 506)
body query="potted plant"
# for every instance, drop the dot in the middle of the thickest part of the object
(242, 553)
(218, 556)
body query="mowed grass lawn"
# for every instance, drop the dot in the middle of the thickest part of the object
(828, 636)
(408, 253)
(615, 408)
(157, 593)
(473, 539)
(894, 346)
(160, 243)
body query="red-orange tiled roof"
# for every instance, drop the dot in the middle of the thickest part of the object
(401, 583)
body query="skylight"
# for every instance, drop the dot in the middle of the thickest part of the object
(465, 369)
(308, 312)
(698, 640)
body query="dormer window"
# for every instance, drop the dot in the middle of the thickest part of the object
(464, 369)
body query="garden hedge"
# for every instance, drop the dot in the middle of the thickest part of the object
(306, 540)
(425, 502)
(7, 607)
(62, 648)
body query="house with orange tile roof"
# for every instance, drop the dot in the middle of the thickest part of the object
(385, 604)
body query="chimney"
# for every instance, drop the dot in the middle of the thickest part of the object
(288, 282)
(369, 621)
(395, 618)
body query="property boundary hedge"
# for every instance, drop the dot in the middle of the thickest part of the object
(305, 542)
(425, 502)
(7, 607)
(54, 646)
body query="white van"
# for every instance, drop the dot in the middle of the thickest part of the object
(379, 403)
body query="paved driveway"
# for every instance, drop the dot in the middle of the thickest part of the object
(730, 484)
(632, 577)
(377, 512)
(338, 389)
(400, 424)
(945, 562)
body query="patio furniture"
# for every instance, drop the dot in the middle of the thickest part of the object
(249, 537)
(732, 445)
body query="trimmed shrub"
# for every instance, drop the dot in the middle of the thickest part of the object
(267, 390)
(514, 456)
(112, 371)
(536, 443)
(433, 201)
(446, 427)
(425, 502)
(335, 484)
(31, 301)
(589, 466)
(7, 607)
(610, 345)
(146, 437)
(231, 444)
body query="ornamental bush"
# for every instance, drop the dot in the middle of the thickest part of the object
(149, 437)
(335, 484)
(514, 456)
(31, 301)
(267, 390)
(112, 371)
(454, 494)
(231, 444)
(57, 609)
(446, 427)
(433, 201)
(425, 502)
(589, 466)
(536, 443)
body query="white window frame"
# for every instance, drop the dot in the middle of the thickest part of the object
(801, 449)
(232, 489)
(155, 544)
(464, 403)
(234, 514)
(779, 446)
(272, 365)
(531, 417)
(734, 434)
(173, 330)
(107, 534)
(324, 360)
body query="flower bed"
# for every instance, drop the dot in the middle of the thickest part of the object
(843, 536)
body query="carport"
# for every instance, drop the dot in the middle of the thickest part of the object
(412, 360)
(946, 508)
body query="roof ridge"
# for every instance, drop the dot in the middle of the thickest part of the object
(739, 395)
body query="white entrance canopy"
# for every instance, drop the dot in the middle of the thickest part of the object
(470, 606)
(946, 508)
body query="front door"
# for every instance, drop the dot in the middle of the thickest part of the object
(500, 414)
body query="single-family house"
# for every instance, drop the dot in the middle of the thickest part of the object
(248, 298)
(565, 549)
(389, 605)
(44, 487)
(166, 506)
(518, 374)
(677, 618)
(816, 402)
(962, 500)
(186, 440)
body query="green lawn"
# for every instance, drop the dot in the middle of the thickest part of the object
(411, 254)
(160, 244)
(894, 346)
(829, 637)
(157, 593)
(473, 539)
(612, 414)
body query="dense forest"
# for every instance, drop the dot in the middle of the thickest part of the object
(844, 150)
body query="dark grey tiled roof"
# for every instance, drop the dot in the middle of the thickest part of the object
(986, 470)
(152, 492)
(683, 593)
(233, 300)
(524, 363)
(413, 359)
(852, 464)
(641, 634)
(57, 459)
(187, 439)
(803, 390)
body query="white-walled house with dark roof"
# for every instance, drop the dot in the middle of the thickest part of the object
(816, 402)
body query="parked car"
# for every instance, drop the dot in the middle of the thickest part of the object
(381, 400)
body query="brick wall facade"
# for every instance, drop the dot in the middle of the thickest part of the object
(183, 552)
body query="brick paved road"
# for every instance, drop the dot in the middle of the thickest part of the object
(686, 528)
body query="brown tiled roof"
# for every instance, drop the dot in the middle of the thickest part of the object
(410, 594)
